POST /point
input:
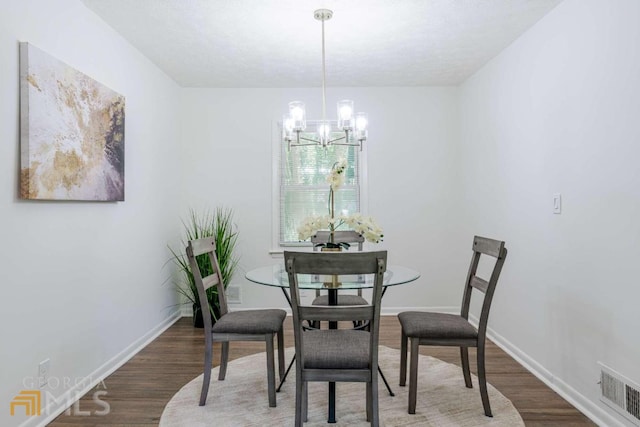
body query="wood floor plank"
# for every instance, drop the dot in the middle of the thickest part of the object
(138, 392)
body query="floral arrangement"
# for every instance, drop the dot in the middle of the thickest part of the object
(364, 225)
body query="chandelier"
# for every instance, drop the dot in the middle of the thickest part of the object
(352, 127)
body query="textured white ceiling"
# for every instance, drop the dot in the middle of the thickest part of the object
(277, 43)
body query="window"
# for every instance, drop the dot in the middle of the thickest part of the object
(303, 189)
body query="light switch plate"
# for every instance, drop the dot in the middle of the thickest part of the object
(557, 203)
(43, 372)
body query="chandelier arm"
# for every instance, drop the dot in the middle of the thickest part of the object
(333, 141)
(310, 140)
(304, 145)
(348, 144)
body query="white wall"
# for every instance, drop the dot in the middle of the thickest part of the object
(411, 166)
(557, 112)
(81, 282)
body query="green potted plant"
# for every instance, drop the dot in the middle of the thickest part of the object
(218, 224)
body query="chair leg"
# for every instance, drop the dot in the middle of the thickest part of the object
(299, 403)
(482, 380)
(368, 399)
(271, 371)
(375, 414)
(224, 358)
(403, 360)
(281, 362)
(464, 357)
(208, 356)
(305, 401)
(413, 375)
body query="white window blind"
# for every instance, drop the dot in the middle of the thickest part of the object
(304, 190)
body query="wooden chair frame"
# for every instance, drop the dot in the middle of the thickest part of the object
(336, 263)
(481, 246)
(207, 245)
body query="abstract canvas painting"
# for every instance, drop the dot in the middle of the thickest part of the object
(72, 132)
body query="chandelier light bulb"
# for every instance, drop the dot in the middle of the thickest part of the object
(361, 126)
(324, 130)
(361, 121)
(345, 114)
(298, 115)
(287, 126)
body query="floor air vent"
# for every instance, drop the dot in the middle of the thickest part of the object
(620, 393)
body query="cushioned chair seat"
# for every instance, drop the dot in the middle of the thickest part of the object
(250, 322)
(336, 349)
(342, 300)
(436, 325)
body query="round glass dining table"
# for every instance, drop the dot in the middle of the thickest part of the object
(276, 275)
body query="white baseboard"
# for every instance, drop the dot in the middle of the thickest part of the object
(589, 408)
(61, 403)
(394, 311)
(186, 310)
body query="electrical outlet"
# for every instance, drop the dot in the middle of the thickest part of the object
(234, 296)
(43, 372)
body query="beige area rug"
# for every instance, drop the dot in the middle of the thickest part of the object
(241, 399)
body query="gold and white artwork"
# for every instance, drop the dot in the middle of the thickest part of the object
(72, 132)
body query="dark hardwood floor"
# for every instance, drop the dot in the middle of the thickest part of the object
(139, 390)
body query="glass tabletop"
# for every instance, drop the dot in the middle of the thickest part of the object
(276, 275)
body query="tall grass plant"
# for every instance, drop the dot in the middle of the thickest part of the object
(218, 224)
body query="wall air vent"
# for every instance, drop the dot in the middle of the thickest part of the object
(620, 393)
(633, 401)
(233, 294)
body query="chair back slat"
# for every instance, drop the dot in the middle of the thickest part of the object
(479, 283)
(488, 246)
(202, 246)
(332, 263)
(336, 313)
(210, 281)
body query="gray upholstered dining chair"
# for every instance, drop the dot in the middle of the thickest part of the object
(335, 355)
(254, 325)
(346, 236)
(440, 329)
